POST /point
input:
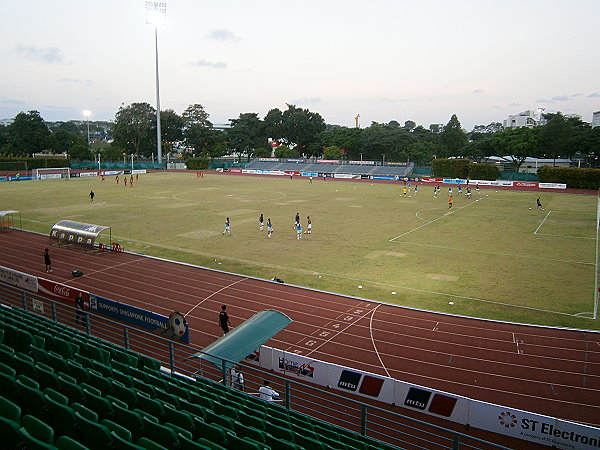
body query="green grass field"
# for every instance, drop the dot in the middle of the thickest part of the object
(491, 256)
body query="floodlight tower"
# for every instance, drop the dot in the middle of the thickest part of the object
(156, 14)
(87, 115)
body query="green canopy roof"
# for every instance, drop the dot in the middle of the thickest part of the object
(244, 339)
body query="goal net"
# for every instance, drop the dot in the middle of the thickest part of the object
(50, 173)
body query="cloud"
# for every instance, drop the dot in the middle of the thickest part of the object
(560, 98)
(11, 101)
(594, 95)
(76, 81)
(579, 94)
(478, 91)
(514, 104)
(214, 65)
(223, 35)
(50, 55)
(305, 100)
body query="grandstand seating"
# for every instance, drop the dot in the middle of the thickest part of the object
(60, 388)
(357, 169)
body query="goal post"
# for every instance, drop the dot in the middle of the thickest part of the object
(51, 173)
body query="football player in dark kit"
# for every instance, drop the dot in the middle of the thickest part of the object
(224, 319)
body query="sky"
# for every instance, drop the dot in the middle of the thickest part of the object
(420, 60)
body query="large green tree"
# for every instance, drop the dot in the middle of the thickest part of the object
(135, 129)
(29, 134)
(516, 144)
(197, 128)
(247, 133)
(171, 129)
(453, 139)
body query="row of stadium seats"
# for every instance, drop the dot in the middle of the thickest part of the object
(60, 388)
(364, 169)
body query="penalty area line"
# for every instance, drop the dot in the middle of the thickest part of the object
(432, 221)
(538, 228)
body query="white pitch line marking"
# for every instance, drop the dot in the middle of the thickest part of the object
(430, 222)
(538, 228)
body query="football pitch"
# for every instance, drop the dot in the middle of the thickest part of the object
(493, 256)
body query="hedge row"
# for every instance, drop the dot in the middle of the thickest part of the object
(572, 177)
(200, 163)
(462, 168)
(17, 164)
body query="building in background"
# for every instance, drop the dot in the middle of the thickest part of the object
(527, 118)
(596, 119)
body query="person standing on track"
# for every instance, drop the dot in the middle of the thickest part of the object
(224, 322)
(47, 261)
(80, 315)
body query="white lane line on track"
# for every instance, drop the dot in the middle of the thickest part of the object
(215, 293)
(336, 334)
(373, 340)
(435, 328)
(127, 263)
(538, 228)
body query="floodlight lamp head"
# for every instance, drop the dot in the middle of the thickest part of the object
(156, 13)
(87, 113)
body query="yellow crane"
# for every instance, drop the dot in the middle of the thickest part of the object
(356, 119)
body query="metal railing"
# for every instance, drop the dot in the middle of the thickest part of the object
(367, 420)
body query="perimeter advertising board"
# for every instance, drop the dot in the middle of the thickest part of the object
(61, 293)
(18, 279)
(172, 327)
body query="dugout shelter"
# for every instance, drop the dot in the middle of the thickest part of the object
(236, 345)
(8, 220)
(79, 236)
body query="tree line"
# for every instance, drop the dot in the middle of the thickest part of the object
(296, 132)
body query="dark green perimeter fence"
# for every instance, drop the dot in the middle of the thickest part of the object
(176, 358)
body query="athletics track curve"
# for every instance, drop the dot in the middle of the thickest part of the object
(549, 371)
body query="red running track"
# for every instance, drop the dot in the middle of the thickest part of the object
(544, 370)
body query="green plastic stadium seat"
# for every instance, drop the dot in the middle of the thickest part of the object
(160, 434)
(62, 418)
(94, 435)
(282, 432)
(149, 405)
(118, 429)
(10, 410)
(141, 386)
(25, 339)
(179, 430)
(85, 412)
(148, 364)
(101, 382)
(124, 393)
(7, 370)
(189, 444)
(244, 431)
(68, 443)
(129, 419)
(40, 355)
(209, 444)
(213, 433)
(9, 388)
(57, 362)
(32, 400)
(97, 403)
(122, 377)
(276, 443)
(39, 429)
(71, 389)
(32, 443)
(7, 356)
(240, 443)
(182, 393)
(252, 421)
(56, 396)
(65, 348)
(218, 419)
(182, 419)
(123, 444)
(196, 410)
(77, 371)
(149, 444)
(38, 342)
(24, 364)
(11, 436)
(46, 376)
(201, 400)
(308, 442)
